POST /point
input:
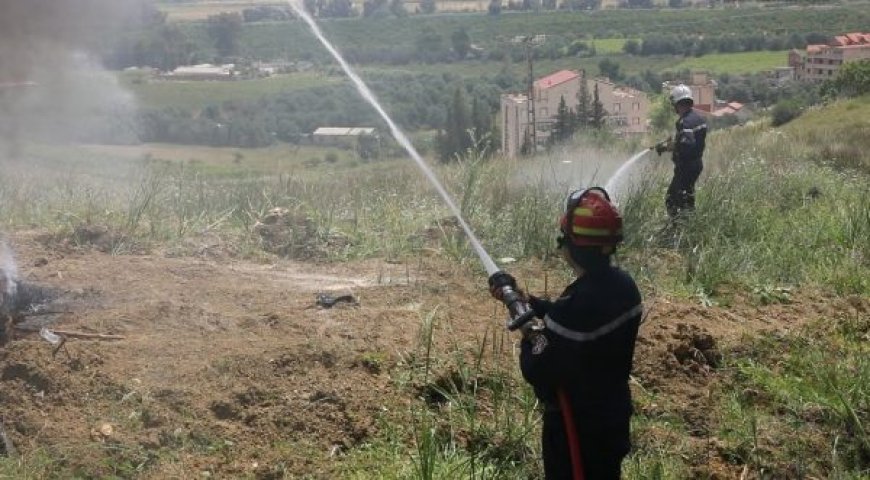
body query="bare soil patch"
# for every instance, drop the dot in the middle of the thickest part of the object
(230, 367)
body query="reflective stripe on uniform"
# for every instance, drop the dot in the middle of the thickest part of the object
(562, 331)
(592, 232)
(583, 212)
(700, 127)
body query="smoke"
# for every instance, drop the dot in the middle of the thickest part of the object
(571, 167)
(8, 276)
(52, 88)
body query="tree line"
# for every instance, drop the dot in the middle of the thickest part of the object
(416, 102)
(699, 45)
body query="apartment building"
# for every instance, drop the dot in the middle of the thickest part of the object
(703, 90)
(821, 62)
(626, 109)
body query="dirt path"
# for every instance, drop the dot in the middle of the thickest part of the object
(233, 365)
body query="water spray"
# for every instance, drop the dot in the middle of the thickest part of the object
(520, 311)
(615, 181)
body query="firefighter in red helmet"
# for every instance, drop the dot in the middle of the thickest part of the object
(578, 358)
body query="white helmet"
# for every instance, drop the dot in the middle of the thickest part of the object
(681, 92)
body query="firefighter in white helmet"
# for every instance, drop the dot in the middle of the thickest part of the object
(687, 146)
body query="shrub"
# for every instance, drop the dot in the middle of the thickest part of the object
(785, 111)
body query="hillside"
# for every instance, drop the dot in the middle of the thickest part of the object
(839, 130)
(752, 362)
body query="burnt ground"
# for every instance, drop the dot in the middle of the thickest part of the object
(229, 367)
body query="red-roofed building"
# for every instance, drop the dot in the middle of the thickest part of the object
(627, 109)
(555, 79)
(821, 62)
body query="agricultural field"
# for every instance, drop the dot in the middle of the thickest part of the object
(157, 93)
(193, 11)
(736, 63)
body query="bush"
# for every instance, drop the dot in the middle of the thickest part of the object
(785, 111)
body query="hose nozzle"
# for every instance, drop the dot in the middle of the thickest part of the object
(505, 285)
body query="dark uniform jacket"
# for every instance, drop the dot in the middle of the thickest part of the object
(690, 138)
(586, 347)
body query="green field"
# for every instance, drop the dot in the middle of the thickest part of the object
(743, 62)
(198, 94)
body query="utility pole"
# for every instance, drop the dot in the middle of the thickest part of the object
(530, 113)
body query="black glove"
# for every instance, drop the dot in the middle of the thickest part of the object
(662, 146)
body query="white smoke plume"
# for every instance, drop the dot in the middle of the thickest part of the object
(51, 86)
(8, 277)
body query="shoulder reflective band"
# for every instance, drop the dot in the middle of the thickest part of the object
(700, 127)
(562, 331)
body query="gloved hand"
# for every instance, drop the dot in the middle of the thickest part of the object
(663, 146)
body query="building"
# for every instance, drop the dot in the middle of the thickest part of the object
(779, 76)
(821, 62)
(727, 109)
(548, 92)
(626, 109)
(341, 136)
(204, 71)
(703, 90)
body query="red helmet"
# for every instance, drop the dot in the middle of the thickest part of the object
(590, 219)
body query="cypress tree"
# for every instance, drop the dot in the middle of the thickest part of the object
(597, 110)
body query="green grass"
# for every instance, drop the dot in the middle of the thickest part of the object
(798, 404)
(609, 45)
(840, 130)
(198, 94)
(734, 63)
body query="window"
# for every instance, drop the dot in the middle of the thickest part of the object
(616, 107)
(635, 120)
(544, 112)
(635, 106)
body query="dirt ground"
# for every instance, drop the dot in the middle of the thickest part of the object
(232, 366)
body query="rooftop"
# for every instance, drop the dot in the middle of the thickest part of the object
(343, 131)
(557, 78)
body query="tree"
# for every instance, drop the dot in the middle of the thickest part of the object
(427, 6)
(368, 147)
(481, 123)
(310, 6)
(373, 8)
(609, 69)
(461, 43)
(853, 79)
(494, 7)
(224, 29)
(583, 112)
(563, 128)
(429, 46)
(456, 139)
(631, 47)
(337, 8)
(397, 8)
(548, 4)
(597, 121)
